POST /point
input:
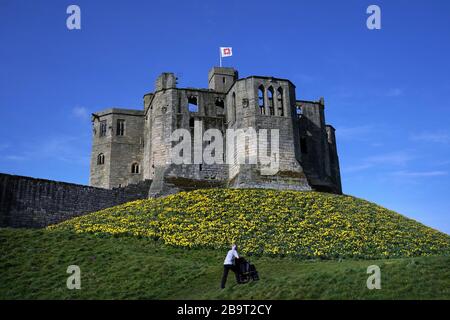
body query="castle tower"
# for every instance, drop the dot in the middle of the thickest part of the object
(266, 103)
(221, 79)
(117, 148)
(160, 109)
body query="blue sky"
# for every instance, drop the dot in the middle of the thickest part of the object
(387, 91)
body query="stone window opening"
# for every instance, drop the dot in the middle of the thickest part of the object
(101, 159)
(280, 102)
(270, 101)
(120, 127)
(219, 104)
(298, 111)
(262, 107)
(179, 105)
(224, 80)
(200, 167)
(135, 168)
(193, 104)
(103, 127)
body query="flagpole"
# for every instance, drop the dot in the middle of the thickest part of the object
(220, 57)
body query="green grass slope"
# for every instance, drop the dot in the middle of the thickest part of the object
(268, 222)
(33, 265)
(306, 245)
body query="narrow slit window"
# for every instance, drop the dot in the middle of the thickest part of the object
(234, 106)
(270, 101)
(280, 102)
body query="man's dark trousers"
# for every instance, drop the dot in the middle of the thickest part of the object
(226, 269)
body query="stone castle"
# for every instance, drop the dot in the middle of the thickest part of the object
(131, 146)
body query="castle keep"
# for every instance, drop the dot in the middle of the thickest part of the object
(132, 149)
(130, 146)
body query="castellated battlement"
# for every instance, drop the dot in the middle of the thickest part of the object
(130, 146)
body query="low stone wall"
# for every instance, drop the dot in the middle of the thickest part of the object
(36, 203)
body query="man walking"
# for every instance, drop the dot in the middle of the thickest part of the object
(229, 264)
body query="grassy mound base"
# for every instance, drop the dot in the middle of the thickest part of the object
(33, 265)
(281, 223)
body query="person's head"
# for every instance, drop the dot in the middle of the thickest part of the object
(234, 247)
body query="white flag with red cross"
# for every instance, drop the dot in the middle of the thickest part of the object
(226, 52)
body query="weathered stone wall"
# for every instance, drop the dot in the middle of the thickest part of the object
(334, 159)
(36, 203)
(318, 147)
(167, 110)
(158, 128)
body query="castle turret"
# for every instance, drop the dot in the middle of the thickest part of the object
(221, 79)
(166, 80)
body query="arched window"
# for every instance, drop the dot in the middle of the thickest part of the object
(270, 101)
(101, 159)
(135, 168)
(280, 102)
(193, 104)
(262, 108)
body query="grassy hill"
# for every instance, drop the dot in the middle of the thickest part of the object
(276, 223)
(33, 265)
(306, 245)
